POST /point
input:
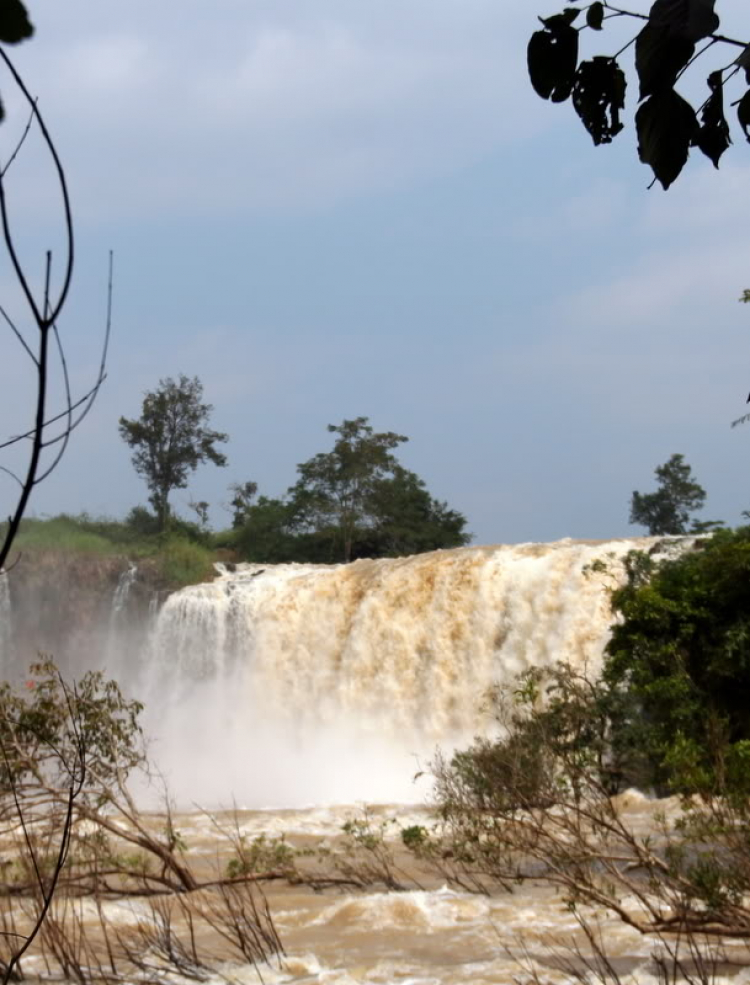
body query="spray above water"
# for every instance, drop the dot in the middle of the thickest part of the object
(297, 684)
(5, 622)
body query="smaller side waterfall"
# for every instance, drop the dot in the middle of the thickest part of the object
(118, 642)
(6, 626)
(120, 598)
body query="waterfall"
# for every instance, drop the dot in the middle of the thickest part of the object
(122, 591)
(6, 627)
(293, 683)
(118, 641)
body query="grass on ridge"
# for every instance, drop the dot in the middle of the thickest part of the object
(179, 560)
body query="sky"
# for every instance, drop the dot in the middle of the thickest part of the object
(330, 209)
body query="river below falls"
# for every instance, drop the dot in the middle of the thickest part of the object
(434, 935)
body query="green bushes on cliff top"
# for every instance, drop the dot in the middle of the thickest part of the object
(63, 533)
(182, 557)
(184, 563)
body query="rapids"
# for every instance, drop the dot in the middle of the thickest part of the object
(435, 934)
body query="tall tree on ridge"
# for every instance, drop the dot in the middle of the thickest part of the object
(171, 439)
(667, 511)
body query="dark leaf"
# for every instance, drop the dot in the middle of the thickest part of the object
(659, 57)
(552, 58)
(743, 114)
(666, 126)
(598, 97)
(595, 16)
(691, 20)
(15, 25)
(559, 22)
(713, 135)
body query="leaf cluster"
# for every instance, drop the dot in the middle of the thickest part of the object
(44, 726)
(667, 125)
(680, 650)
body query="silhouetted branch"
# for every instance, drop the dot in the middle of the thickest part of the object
(21, 142)
(44, 316)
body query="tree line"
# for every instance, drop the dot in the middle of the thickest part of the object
(355, 500)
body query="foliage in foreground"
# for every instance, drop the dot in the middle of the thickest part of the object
(679, 660)
(71, 830)
(541, 801)
(667, 126)
(537, 804)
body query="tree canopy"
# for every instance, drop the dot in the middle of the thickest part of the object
(355, 500)
(335, 489)
(680, 649)
(667, 511)
(667, 126)
(171, 439)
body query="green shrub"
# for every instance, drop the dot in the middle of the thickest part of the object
(61, 533)
(679, 658)
(182, 562)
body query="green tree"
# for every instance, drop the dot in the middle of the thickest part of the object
(667, 126)
(266, 535)
(171, 439)
(680, 652)
(243, 494)
(335, 488)
(354, 501)
(667, 511)
(407, 520)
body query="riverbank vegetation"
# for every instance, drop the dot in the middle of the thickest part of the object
(543, 801)
(73, 840)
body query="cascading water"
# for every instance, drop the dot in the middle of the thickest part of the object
(122, 591)
(295, 684)
(117, 646)
(6, 627)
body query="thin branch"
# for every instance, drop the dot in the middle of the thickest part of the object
(87, 397)
(695, 57)
(62, 855)
(20, 143)
(57, 307)
(623, 49)
(19, 336)
(36, 450)
(11, 474)
(620, 12)
(68, 412)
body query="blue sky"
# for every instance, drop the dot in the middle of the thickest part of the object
(331, 209)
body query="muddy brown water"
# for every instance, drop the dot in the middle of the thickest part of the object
(435, 935)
